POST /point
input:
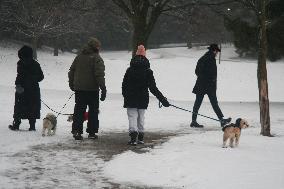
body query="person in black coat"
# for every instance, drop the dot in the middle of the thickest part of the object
(136, 82)
(206, 83)
(27, 96)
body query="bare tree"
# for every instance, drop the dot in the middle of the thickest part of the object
(36, 18)
(143, 15)
(262, 72)
(258, 8)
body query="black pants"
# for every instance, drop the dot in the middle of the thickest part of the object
(82, 100)
(214, 102)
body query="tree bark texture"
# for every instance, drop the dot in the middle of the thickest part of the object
(262, 74)
(34, 46)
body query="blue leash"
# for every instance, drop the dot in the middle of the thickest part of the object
(160, 106)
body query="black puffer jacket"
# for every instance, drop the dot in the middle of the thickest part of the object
(29, 73)
(136, 82)
(206, 71)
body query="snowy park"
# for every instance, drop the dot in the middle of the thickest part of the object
(183, 157)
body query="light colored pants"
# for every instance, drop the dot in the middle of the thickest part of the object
(136, 119)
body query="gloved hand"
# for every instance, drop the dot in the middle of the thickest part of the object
(165, 102)
(103, 93)
(19, 89)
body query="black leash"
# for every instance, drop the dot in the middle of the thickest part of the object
(58, 113)
(160, 105)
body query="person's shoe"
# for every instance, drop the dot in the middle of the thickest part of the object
(13, 127)
(225, 121)
(92, 136)
(133, 136)
(78, 136)
(140, 138)
(140, 142)
(132, 143)
(195, 124)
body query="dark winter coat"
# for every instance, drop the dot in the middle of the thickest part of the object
(136, 82)
(87, 72)
(206, 71)
(29, 74)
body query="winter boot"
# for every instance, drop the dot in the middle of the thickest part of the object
(16, 124)
(195, 124)
(77, 136)
(225, 121)
(92, 136)
(133, 136)
(140, 138)
(32, 124)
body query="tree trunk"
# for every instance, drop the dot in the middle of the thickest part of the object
(34, 46)
(262, 74)
(139, 37)
(55, 50)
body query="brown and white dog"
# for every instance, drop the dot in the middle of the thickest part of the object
(49, 124)
(233, 132)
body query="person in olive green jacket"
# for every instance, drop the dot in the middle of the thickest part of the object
(87, 77)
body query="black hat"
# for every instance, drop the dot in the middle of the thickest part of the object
(214, 47)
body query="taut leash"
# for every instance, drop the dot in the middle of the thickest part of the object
(160, 105)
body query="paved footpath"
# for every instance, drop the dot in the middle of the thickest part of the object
(74, 164)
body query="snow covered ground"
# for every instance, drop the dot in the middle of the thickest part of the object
(194, 159)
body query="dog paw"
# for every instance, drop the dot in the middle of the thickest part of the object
(43, 135)
(224, 146)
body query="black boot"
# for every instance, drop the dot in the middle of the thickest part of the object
(133, 136)
(32, 124)
(195, 124)
(16, 124)
(225, 121)
(140, 138)
(77, 136)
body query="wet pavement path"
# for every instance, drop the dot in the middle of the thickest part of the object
(74, 164)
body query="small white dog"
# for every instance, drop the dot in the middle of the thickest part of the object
(49, 124)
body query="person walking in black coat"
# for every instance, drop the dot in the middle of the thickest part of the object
(206, 83)
(136, 82)
(27, 96)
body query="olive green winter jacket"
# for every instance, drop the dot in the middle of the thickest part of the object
(87, 72)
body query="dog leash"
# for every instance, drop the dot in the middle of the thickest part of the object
(160, 106)
(58, 113)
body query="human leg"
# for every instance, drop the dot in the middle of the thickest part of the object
(214, 102)
(93, 120)
(32, 124)
(140, 125)
(197, 104)
(132, 114)
(79, 109)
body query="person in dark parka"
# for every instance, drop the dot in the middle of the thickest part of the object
(136, 82)
(87, 78)
(27, 96)
(206, 83)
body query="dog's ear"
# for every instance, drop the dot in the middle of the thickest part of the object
(238, 121)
